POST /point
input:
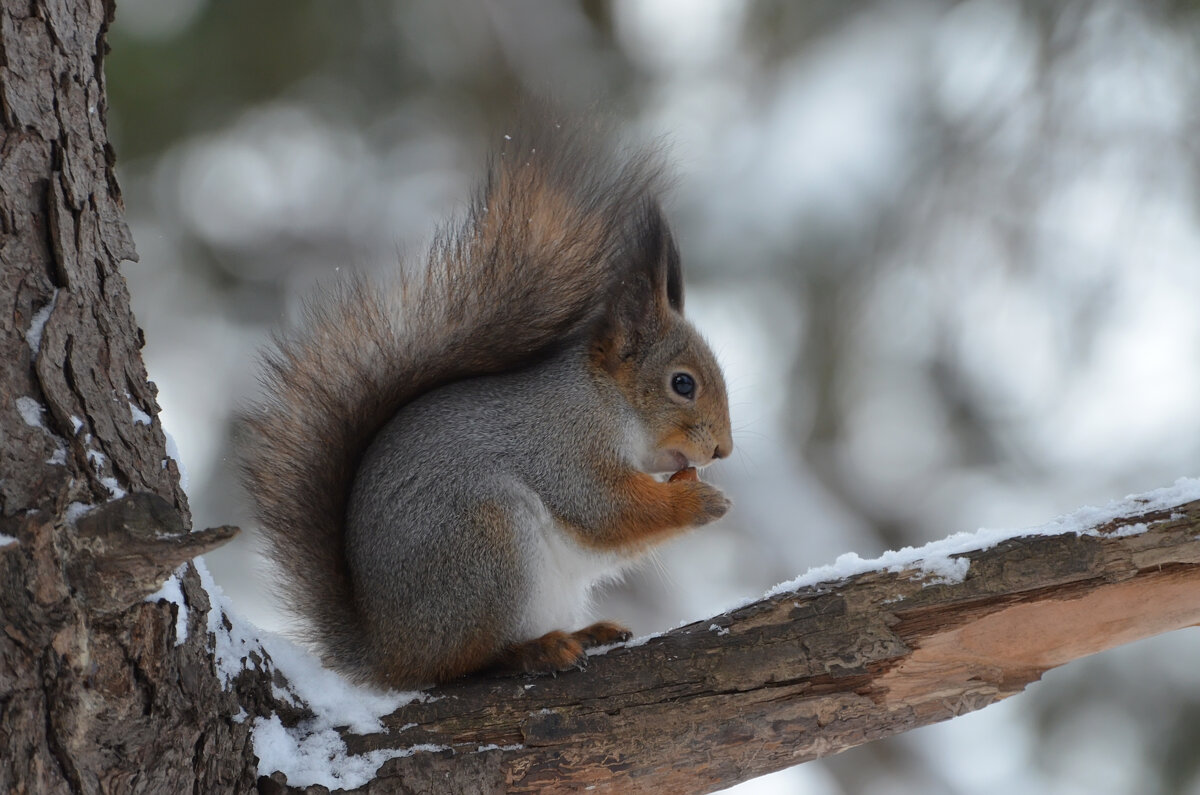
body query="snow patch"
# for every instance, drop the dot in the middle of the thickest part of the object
(172, 592)
(31, 411)
(139, 417)
(1135, 529)
(98, 460)
(319, 756)
(115, 492)
(936, 562)
(232, 644)
(312, 752)
(76, 424)
(283, 695)
(335, 700)
(6, 540)
(631, 643)
(75, 510)
(34, 335)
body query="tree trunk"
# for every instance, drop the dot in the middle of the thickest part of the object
(102, 690)
(94, 695)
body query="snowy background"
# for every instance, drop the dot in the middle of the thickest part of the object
(949, 254)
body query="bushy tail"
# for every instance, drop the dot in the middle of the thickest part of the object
(532, 264)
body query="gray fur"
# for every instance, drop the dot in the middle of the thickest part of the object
(518, 441)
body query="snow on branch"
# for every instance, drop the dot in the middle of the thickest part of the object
(844, 655)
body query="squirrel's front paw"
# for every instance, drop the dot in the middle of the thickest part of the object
(711, 502)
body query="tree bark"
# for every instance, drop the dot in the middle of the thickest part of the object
(101, 690)
(94, 695)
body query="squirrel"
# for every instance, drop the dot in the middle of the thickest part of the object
(443, 466)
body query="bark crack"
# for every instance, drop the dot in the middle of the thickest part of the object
(53, 743)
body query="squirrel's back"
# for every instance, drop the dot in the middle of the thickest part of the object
(526, 273)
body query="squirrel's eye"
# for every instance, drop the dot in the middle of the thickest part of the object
(684, 385)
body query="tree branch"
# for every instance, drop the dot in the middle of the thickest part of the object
(805, 673)
(127, 547)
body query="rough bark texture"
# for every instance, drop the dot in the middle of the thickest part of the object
(94, 695)
(803, 674)
(98, 695)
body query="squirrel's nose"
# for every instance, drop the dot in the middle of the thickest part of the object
(723, 449)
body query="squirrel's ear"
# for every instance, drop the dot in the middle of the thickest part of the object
(655, 254)
(651, 290)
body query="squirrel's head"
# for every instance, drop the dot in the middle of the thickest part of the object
(659, 361)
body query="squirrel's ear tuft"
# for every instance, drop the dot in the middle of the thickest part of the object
(641, 305)
(655, 258)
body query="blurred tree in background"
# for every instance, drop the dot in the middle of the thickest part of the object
(948, 253)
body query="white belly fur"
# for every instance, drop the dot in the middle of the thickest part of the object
(562, 575)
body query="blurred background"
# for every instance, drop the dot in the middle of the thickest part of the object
(949, 254)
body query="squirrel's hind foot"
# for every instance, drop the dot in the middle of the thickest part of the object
(559, 651)
(601, 634)
(553, 652)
